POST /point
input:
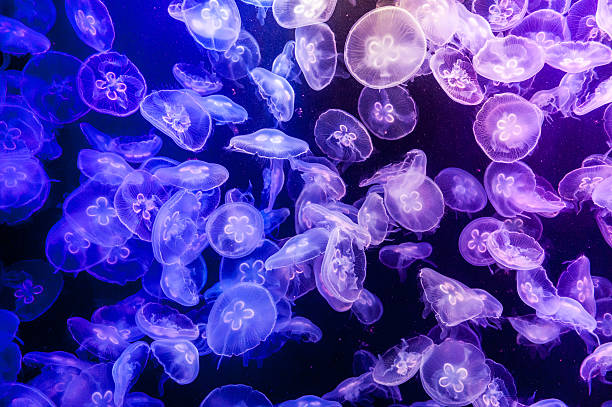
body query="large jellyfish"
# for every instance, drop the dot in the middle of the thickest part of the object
(505, 183)
(101, 340)
(456, 75)
(276, 91)
(461, 190)
(388, 113)
(473, 30)
(315, 53)
(438, 18)
(342, 137)
(534, 329)
(17, 394)
(21, 134)
(160, 321)
(194, 175)
(294, 14)
(576, 56)
(214, 24)
(235, 229)
(92, 23)
(17, 39)
(127, 368)
(546, 27)
(509, 59)
(575, 282)
(179, 358)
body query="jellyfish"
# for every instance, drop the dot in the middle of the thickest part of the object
(21, 134)
(137, 202)
(196, 78)
(472, 30)
(597, 364)
(515, 250)
(473, 241)
(577, 56)
(91, 387)
(604, 319)
(367, 308)
(127, 369)
(549, 403)
(238, 395)
(385, 47)
(194, 175)
(136, 149)
(92, 23)
(241, 318)
(401, 362)
(110, 83)
(438, 18)
(575, 282)
(505, 181)
(284, 65)
(461, 190)
(320, 174)
(501, 14)
(18, 39)
(276, 91)
(109, 168)
(214, 24)
(160, 321)
(602, 287)
(315, 215)
(309, 401)
(182, 284)
(122, 316)
(572, 314)
(603, 15)
(22, 180)
(546, 27)
(400, 257)
(17, 394)
(223, 110)
(537, 291)
(390, 114)
(509, 59)
(236, 62)
(299, 249)
(417, 207)
(315, 53)
(288, 14)
(101, 340)
(269, 143)
(373, 216)
(342, 137)
(9, 323)
(456, 75)
(534, 329)
(179, 358)
(235, 229)
(601, 194)
(50, 89)
(126, 262)
(578, 185)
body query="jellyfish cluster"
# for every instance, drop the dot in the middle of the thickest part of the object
(202, 197)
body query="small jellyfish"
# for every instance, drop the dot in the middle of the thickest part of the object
(18, 39)
(575, 282)
(473, 241)
(92, 23)
(136, 149)
(21, 134)
(473, 30)
(373, 216)
(342, 137)
(180, 115)
(456, 75)
(385, 47)
(110, 168)
(299, 249)
(127, 369)
(240, 395)
(501, 14)
(39, 15)
(236, 62)
(101, 340)
(276, 91)
(235, 229)
(322, 173)
(438, 18)
(179, 358)
(315, 215)
(509, 59)
(400, 257)
(224, 110)
(194, 175)
(316, 55)
(534, 329)
(241, 318)
(175, 10)
(214, 24)
(196, 78)
(504, 182)
(537, 291)
(269, 143)
(546, 27)
(21, 180)
(110, 83)
(515, 250)
(579, 184)
(400, 363)
(160, 321)
(367, 308)
(390, 114)
(50, 88)
(461, 190)
(182, 284)
(292, 14)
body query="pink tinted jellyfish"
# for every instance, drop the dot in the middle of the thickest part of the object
(342, 137)
(456, 75)
(577, 56)
(473, 241)
(389, 114)
(509, 59)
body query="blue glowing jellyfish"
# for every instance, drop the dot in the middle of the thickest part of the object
(223, 110)
(112, 168)
(276, 91)
(235, 229)
(160, 321)
(18, 39)
(389, 114)
(461, 190)
(92, 23)
(289, 14)
(342, 137)
(136, 149)
(194, 175)
(236, 395)
(101, 340)
(127, 368)
(316, 55)
(126, 262)
(236, 62)
(214, 24)
(196, 78)
(401, 362)
(179, 358)
(21, 133)
(269, 143)
(17, 394)
(183, 284)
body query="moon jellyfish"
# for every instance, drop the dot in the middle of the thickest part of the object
(235, 229)
(579, 184)
(179, 358)
(196, 78)
(342, 137)
(535, 330)
(509, 59)
(400, 257)
(367, 308)
(315, 53)
(309, 401)
(110, 83)
(323, 174)
(454, 373)
(122, 316)
(241, 318)
(546, 27)
(92, 23)
(598, 363)
(508, 127)
(160, 321)
(292, 14)
(388, 113)
(18, 39)
(461, 190)
(575, 282)
(22, 180)
(604, 319)
(505, 183)
(236, 62)
(537, 291)
(572, 314)
(501, 14)
(180, 115)
(127, 369)
(49, 87)
(182, 284)
(473, 241)
(438, 18)
(224, 110)
(284, 65)
(452, 301)
(456, 75)
(17, 394)
(315, 215)
(299, 249)
(401, 362)
(269, 143)
(473, 30)
(102, 341)
(373, 216)
(194, 175)
(515, 250)
(238, 395)
(276, 91)
(384, 48)
(21, 133)
(136, 149)
(109, 168)
(576, 57)
(603, 16)
(214, 24)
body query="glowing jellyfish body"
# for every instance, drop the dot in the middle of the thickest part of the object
(342, 137)
(22, 180)
(579, 184)
(49, 87)
(236, 62)
(315, 53)
(224, 110)
(473, 30)
(241, 318)
(546, 27)
(438, 18)
(401, 256)
(575, 282)
(473, 241)
(537, 291)
(180, 115)
(454, 373)
(110, 83)
(309, 401)
(237, 395)
(385, 47)
(269, 143)
(17, 394)
(461, 190)
(535, 330)
(388, 113)
(21, 134)
(160, 321)
(276, 91)
(182, 284)
(373, 216)
(515, 250)
(603, 16)
(602, 195)
(17, 39)
(292, 14)
(194, 175)
(179, 358)
(501, 14)
(509, 59)
(127, 369)
(92, 23)
(284, 65)
(400, 363)
(101, 340)
(505, 183)
(214, 24)
(110, 168)
(572, 314)
(456, 75)
(299, 249)
(136, 149)
(508, 127)
(196, 78)
(235, 229)
(576, 57)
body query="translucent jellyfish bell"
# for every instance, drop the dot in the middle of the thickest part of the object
(276, 91)
(535, 330)
(515, 250)
(461, 190)
(180, 115)
(18, 39)
(291, 14)
(179, 358)
(110, 83)
(310, 401)
(17, 394)
(284, 64)
(576, 56)
(388, 113)
(21, 133)
(400, 363)
(241, 318)
(103, 341)
(509, 59)
(456, 75)
(109, 167)
(299, 249)
(315, 53)
(505, 181)
(236, 62)
(182, 284)
(401, 256)
(601, 195)
(575, 282)
(127, 369)
(473, 241)
(235, 229)
(385, 47)
(160, 321)
(546, 27)
(342, 137)
(598, 363)
(136, 148)
(224, 110)
(537, 291)
(237, 395)
(578, 185)
(214, 24)
(196, 78)
(194, 175)
(92, 23)
(572, 314)
(603, 16)
(473, 30)
(373, 216)
(501, 14)
(269, 143)
(438, 18)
